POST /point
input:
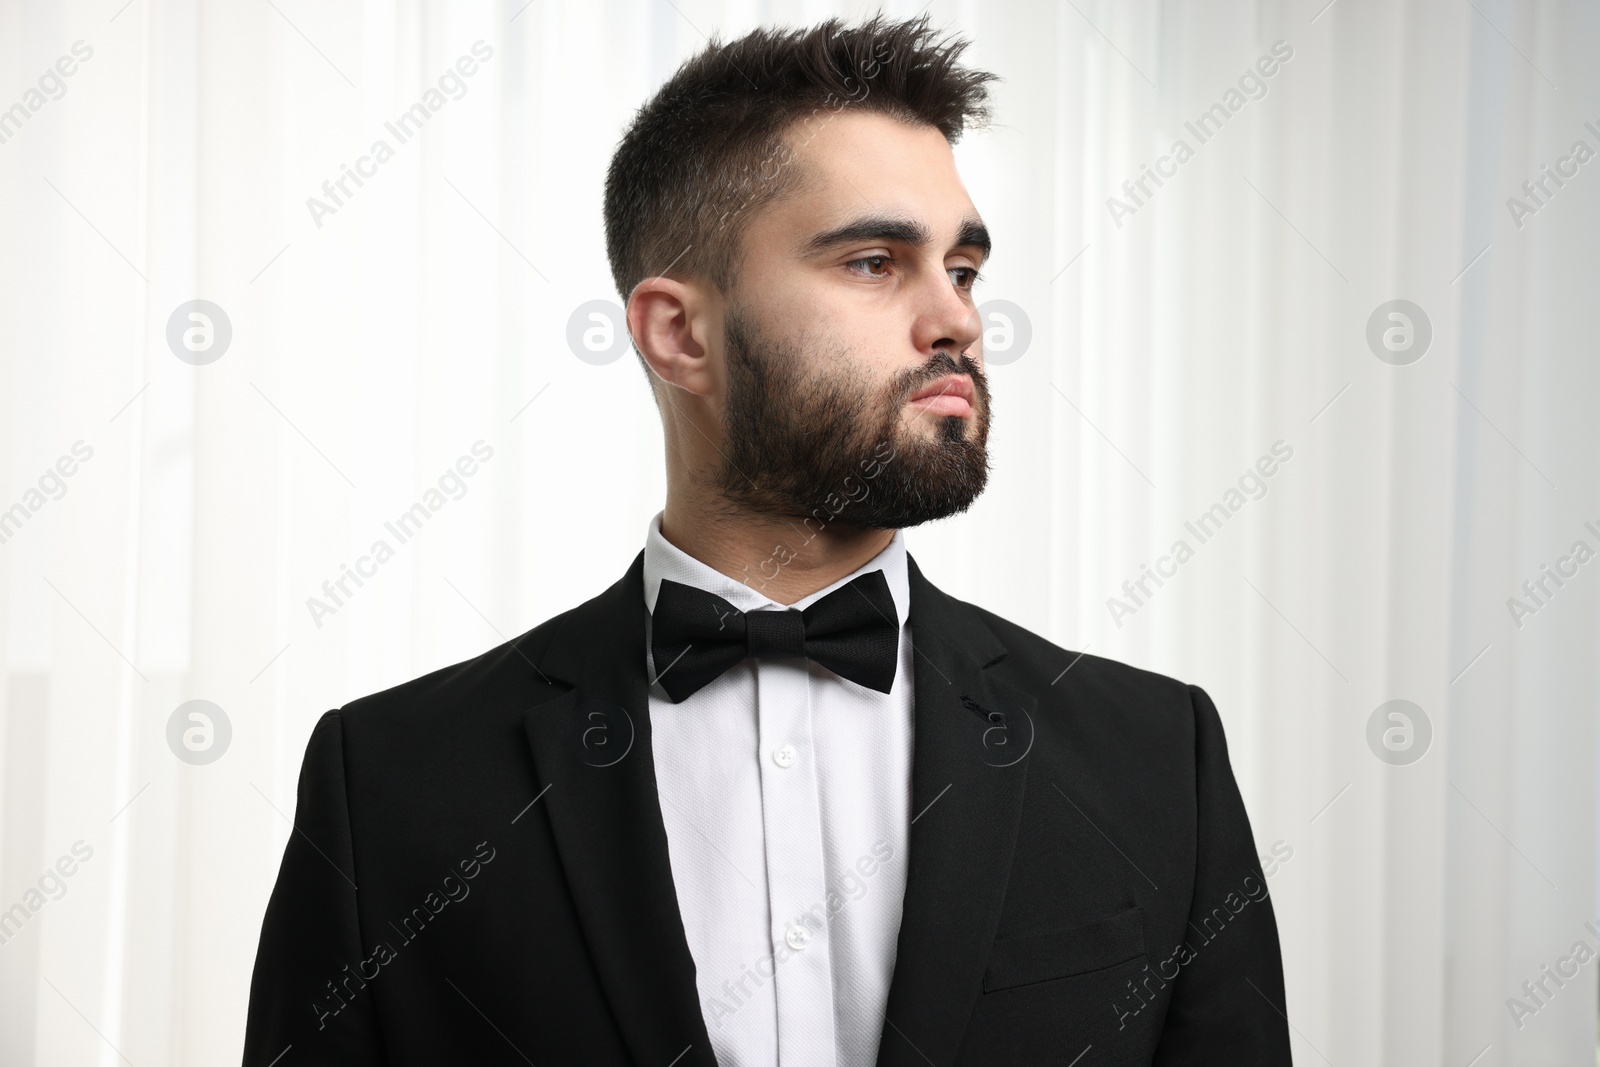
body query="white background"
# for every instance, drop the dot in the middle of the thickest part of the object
(1168, 353)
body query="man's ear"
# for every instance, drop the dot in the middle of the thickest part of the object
(669, 322)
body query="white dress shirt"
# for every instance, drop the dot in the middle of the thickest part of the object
(785, 792)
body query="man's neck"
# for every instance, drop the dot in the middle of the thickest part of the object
(784, 559)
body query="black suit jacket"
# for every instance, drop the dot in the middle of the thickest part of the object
(479, 870)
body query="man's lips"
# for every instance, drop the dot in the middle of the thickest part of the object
(950, 395)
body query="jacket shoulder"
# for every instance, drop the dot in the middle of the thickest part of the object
(475, 702)
(1042, 667)
(1036, 661)
(1095, 711)
(506, 675)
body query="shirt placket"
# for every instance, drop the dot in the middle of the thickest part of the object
(796, 879)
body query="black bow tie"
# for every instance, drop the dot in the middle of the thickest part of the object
(853, 631)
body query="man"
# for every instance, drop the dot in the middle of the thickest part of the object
(773, 797)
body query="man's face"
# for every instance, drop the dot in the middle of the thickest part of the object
(855, 389)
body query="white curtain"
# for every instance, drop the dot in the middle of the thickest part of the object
(177, 504)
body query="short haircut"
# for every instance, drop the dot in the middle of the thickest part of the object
(709, 148)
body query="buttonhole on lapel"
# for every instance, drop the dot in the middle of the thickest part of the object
(996, 717)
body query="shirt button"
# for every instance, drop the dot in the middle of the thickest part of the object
(797, 938)
(785, 755)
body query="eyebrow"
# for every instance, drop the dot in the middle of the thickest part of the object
(890, 228)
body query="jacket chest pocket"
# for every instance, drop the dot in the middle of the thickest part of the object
(1092, 946)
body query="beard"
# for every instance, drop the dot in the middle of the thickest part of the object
(841, 447)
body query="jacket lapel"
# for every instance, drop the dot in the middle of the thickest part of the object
(591, 749)
(967, 778)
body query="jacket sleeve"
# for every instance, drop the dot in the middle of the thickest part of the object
(307, 1002)
(1228, 1002)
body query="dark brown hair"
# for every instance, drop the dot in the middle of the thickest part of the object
(715, 143)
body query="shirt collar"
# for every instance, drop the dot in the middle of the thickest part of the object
(663, 559)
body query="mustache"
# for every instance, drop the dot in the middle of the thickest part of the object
(941, 364)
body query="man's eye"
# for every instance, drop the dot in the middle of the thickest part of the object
(964, 277)
(872, 266)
